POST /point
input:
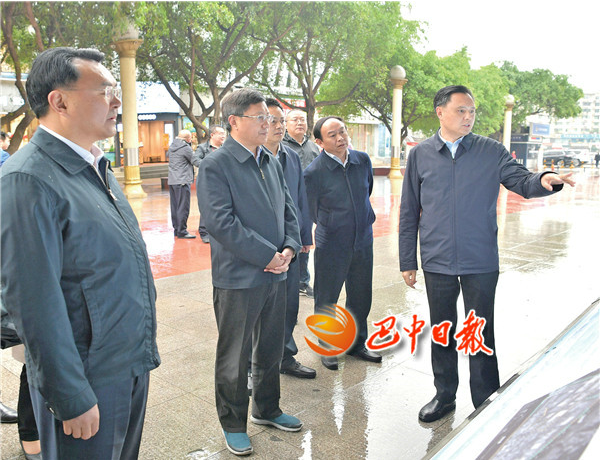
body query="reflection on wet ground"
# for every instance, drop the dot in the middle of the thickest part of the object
(549, 255)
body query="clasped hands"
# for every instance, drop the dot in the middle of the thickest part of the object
(280, 261)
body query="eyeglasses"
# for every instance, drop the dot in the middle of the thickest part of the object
(109, 91)
(260, 118)
(298, 120)
(276, 121)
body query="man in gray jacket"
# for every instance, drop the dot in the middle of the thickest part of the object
(179, 177)
(76, 279)
(252, 221)
(450, 191)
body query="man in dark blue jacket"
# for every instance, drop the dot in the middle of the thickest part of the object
(339, 183)
(76, 279)
(254, 236)
(450, 191)
(293, 175)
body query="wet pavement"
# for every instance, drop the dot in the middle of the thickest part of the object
(550, 274)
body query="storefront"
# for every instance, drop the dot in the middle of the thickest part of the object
(157, 117)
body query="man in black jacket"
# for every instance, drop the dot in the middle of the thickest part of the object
(296, 138)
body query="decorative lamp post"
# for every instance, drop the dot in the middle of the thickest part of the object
(509, 101)
(126, 44)
(398, 78)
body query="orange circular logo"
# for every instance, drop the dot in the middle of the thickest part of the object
(336, 329)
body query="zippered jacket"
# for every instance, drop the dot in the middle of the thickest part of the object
(452, 204)
(76, 279)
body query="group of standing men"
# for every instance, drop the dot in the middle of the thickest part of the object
(83, 300)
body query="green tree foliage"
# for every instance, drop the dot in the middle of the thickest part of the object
(206, 47)
(332, 48)
(540, 91)
(31, 27)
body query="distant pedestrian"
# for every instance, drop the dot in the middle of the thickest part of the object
(450, 191)
(597, 159)
(217, 136)
(4, 143)
(179, 178)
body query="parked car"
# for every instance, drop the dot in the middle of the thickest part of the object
(584, 155)
(561, 158)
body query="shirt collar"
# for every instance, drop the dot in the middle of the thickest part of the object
(337, 159)
(92, 156)
(452, 146)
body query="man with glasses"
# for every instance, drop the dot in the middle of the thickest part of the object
(254, 237)
(293, 175)
(450, 191)
(76, 280)
(296, 138)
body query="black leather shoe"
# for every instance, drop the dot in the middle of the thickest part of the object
(366, 355)
(435, 410)
(7, 415)
(187, 236)
(296, 369)
(330, 362)
(205, 238)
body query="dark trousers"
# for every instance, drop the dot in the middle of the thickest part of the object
(179, 200)
(478, 292)
(28, 430)
(335, 266)
(202, 228)
(122, 406)
(244, 317)
(304, 276)
(292, 312)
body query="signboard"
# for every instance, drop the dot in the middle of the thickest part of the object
(540, 129)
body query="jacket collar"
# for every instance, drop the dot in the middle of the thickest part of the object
(241, 153)
(59, 152)
(288, 137)
(464, 145)
(332, 164)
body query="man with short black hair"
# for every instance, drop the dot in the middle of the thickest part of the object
(450, 192)
(254, 237)
(76, 280)
(293, 175)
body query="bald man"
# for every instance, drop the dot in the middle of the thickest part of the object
(180, 176)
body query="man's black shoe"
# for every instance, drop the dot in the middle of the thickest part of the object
(205, 238)
(7, 415)
(435, 410)
(306, 291)
(330, 362)
(186, 236)
(296, 369)
(366, 355)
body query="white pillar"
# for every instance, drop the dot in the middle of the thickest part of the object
(398, 78)
(509, 100)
